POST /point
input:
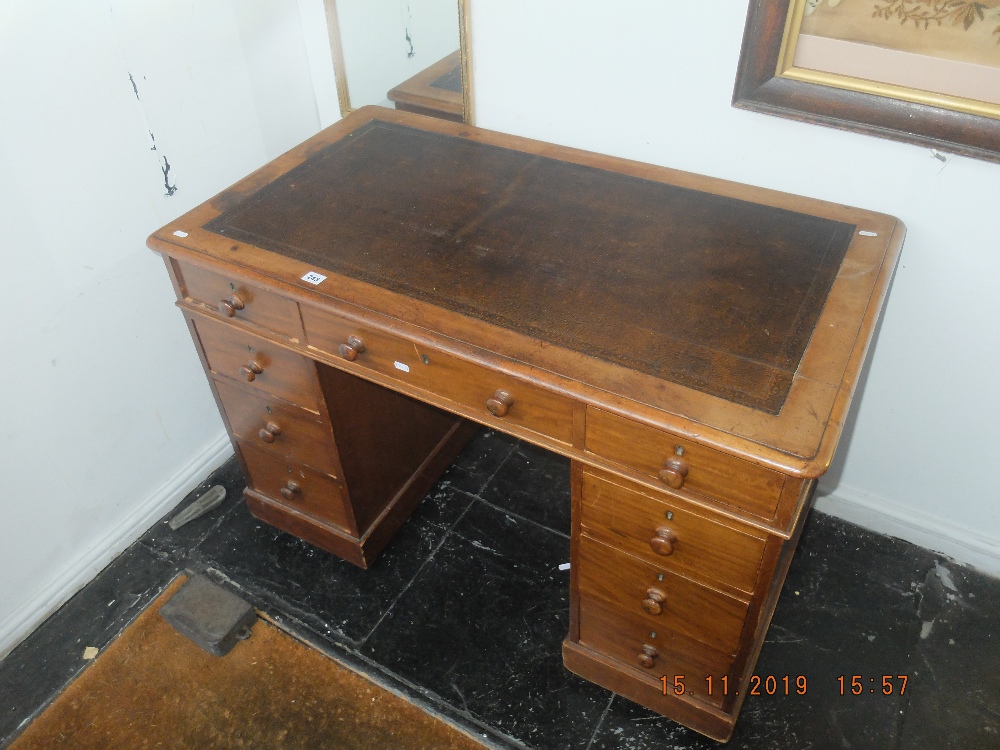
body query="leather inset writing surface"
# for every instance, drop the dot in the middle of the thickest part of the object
(710, 292)
(450, 81)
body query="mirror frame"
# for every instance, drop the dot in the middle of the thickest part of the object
(340, 67)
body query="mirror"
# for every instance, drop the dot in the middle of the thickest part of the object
(408, 54)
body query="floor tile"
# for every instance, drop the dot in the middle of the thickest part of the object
(490, 612)
(176, 544)
(479, 461)
(629, 726)
(955, 668)
(334, 597)
(534, 483)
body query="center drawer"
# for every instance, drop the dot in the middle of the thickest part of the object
(661, 599)
(490, 394)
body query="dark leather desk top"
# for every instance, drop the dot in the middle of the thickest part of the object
(707, 291)
(735, 315)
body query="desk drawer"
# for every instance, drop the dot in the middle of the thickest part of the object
(278, 429)
(456, 380)
(689, 543)
(289, 483)
(731, 480)
(239, 300)
(628, 639)
(682, 606)
(265, 366)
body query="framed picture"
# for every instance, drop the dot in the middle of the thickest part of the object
(922, 71)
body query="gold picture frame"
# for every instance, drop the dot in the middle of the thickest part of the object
(903, 94)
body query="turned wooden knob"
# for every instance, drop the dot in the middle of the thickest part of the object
(647, 657)
(270, 432)
(500, 403)
(352, 348)
(654, 601)
(290, 490)
(251, 370)
(228, 307)
(673, 472)
(663, 541)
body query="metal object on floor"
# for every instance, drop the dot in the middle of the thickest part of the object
(207, 502)
(214, 618)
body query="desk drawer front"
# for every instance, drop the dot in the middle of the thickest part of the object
(685, 607)
(235, 353)
(665, 531)
(278, 429)
(239, 300)
(731, 480)
(628, 639)
(297, 486)
(448, 377)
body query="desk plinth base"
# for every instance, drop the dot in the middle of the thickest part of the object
(364, 549)
(693, 714)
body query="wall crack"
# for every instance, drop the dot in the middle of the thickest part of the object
(171, 189)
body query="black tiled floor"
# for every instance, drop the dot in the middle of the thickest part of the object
(466, 610)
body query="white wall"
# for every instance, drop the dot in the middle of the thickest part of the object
(108, 420)
(385, 42)
(653, 81)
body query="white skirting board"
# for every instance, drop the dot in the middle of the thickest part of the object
(892, 519)
(80, 571)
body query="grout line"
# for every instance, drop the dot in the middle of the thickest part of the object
(600, 721)
(484, 485)
(507, 512)
(416, 575)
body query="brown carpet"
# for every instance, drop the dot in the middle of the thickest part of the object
(152, 688)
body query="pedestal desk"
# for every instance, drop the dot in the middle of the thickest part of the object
(692, 345)
(435, 90)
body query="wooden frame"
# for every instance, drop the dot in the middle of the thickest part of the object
(340, 66)
(766, 82)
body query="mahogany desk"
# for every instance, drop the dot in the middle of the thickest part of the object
(691, 344)
(436, 90)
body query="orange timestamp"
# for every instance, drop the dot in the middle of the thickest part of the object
(756, 685)
(857, 684)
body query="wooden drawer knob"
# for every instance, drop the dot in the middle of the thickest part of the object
(251, 370)
(352, 348)
(270, 432)
(647, 657)
(500, 403)
(663, 541)
(673, 473)
(290, 490)
(228, 307)
(654, 601)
